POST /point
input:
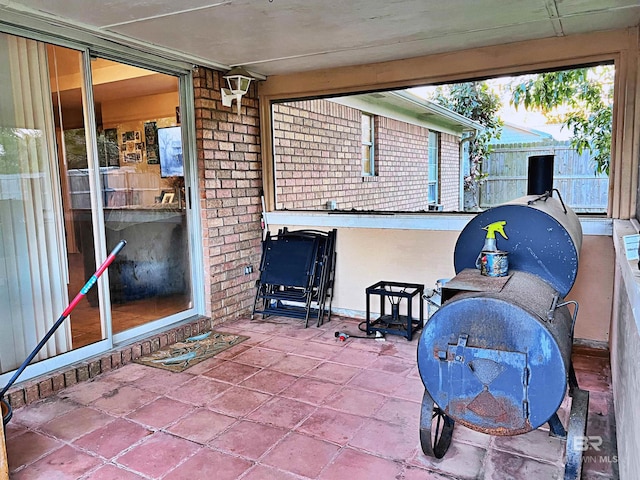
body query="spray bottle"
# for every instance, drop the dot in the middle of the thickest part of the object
(491, 261)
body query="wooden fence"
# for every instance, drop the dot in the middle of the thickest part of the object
(574, 176)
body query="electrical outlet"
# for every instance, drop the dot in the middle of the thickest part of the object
(248, 269)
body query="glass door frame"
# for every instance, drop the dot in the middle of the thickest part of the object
(122, 54)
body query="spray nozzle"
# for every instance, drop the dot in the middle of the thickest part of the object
(494, 227)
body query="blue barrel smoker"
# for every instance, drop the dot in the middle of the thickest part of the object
(496, 356)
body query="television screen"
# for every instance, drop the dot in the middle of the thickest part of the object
(170, 146)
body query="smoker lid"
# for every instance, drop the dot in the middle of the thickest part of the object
(543, 240)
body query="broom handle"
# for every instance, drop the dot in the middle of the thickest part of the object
(83, 291)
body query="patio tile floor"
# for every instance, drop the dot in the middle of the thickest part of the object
(287, 404)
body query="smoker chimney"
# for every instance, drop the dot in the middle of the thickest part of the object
(540, 174)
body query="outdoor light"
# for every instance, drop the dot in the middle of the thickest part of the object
(238, 81)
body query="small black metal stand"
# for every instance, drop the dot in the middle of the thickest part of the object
(395, 323)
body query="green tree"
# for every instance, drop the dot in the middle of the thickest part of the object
(476, 101)
(584, 98)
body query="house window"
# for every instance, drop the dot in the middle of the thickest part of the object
(432, 167)
(368, 165)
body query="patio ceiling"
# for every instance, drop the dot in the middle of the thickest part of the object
(272, 37)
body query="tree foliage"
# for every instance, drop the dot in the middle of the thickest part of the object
(476, 101)
(587, 102)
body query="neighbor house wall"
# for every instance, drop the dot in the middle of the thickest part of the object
(317, 151)
(450, 174)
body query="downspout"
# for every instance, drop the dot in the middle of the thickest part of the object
(464, 140)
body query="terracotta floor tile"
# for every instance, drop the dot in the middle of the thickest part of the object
(290, 403)
(400, 412)
(410, 389)
(209, 464)
(310, 390)
(205, 365)
(160, 412)
(199, 390)
(354, 465)
(506, 465)
(113, 438)
(466, 435)
(248, 439)
(301, 455)
(158, 454)
(76, 423)
(162, 381)
(129, 373)
(333, 372)
(385, 439)
(231, 372)
(269, 381)
(238, 401)
(536, 444)
(124, 400)
(414, 473)
(331, 425)
(286, 344)
(282, 412)
(111, 472)
(295, 365)
(355, 358)
(66, 463)
(318, 350)
(86, 393)
(43, 411)
(259, 357)
(357, 402)
(14, 429)
(201, 425)
(262, 472)
(393, 365)
(26, 448)
(376, 381)
(461, 462)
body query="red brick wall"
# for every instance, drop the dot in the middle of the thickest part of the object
(317, 145)
(450, 172)
(317, 149)
(230, 177)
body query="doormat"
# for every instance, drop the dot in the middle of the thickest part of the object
(179, 356)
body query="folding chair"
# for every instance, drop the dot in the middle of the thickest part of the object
(296, 274)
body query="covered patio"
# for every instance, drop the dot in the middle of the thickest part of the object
(288, 403)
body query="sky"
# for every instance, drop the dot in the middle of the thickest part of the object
(509, 114)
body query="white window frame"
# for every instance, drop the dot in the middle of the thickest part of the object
(433, 157)
(370, 142)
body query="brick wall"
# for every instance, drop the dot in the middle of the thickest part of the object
(317, 145)
(230, 177)
(450, 172)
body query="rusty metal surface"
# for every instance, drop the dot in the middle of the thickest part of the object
(471, 280)
(543, 240)
(501, 342)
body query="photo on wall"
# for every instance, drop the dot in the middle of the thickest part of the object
(151, 140)
(170, 148)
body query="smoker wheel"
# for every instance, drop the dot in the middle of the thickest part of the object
(436, 428)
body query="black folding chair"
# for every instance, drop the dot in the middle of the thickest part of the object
(296, 272)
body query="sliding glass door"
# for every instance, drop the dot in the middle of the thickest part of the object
(91, 152)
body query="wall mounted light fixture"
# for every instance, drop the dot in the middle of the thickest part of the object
(238, 81)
